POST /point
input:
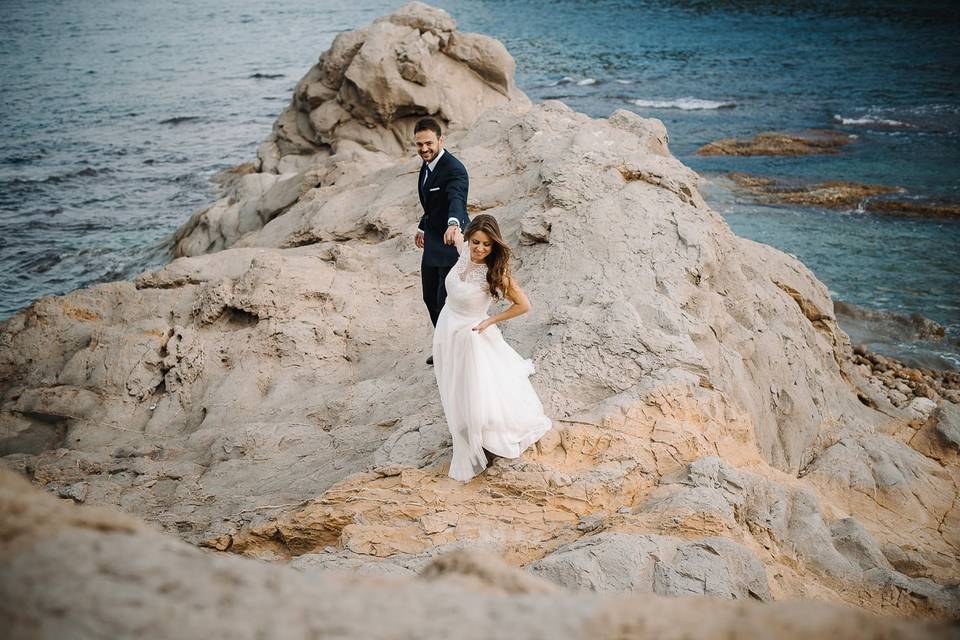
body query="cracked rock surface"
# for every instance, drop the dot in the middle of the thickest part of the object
(82, 572)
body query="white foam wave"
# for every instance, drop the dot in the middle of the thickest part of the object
(935, 109)
(563, 80)
(619, 81)
(870, 120)
(685, 104)
(586, 81)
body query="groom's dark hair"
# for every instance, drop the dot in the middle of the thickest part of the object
(427, 124)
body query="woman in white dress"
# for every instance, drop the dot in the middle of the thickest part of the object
(490, 406)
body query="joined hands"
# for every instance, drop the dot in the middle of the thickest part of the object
(452, 235)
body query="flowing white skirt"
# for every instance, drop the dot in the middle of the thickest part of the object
(486, 393)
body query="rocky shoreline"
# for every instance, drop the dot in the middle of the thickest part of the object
(904, 385)
(264, 396)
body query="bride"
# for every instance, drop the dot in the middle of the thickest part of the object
(490, 406)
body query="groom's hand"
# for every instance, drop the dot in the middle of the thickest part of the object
(418, 239)
(450, 235)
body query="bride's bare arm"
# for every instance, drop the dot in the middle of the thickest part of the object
(458, 240)
(521, 304)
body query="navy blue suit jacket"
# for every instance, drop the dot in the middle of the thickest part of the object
(444, 196)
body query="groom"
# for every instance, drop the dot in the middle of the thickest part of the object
(442, 184)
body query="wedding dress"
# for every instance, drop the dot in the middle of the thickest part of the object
(484, 387)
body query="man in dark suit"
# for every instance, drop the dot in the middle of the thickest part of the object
(443, 184)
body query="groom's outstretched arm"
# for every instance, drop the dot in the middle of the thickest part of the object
(456, 191)
(457, 187)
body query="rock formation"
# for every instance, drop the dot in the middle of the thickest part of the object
(355, 110)
(93, 573)
(712, 433)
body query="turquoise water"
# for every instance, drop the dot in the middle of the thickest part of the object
(116, 113)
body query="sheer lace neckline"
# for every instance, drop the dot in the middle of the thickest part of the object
(471, 271)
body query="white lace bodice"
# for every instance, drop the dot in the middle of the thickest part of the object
(470, 271)
(467, 291)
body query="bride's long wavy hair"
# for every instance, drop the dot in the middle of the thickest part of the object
(498, 260)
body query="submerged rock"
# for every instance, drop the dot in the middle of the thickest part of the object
(817, 141)
(838, 194)
(915, 208)
(834, 194)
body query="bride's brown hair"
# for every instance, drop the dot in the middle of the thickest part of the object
(498, 260)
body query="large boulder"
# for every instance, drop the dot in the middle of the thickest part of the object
(355, 110)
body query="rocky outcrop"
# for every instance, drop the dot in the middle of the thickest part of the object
(271, 399)
(817, 141)
(915, 208)
(354, 111)
(82, 572)
(832, 195)
(840, 194)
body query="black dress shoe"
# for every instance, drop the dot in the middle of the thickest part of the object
(430, 360)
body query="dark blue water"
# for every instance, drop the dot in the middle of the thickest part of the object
(115, 114)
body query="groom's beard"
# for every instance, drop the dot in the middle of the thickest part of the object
(429, 156)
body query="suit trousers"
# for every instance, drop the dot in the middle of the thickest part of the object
(433, 280)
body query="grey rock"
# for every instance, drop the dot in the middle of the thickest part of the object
(788, 517)
(76, 491)
(714, 567)
(921, 408)
(925, 593)
(905, 560)
(855, 543)
(22, 434)
(612, 561)
(349, 562)
(947, 418)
